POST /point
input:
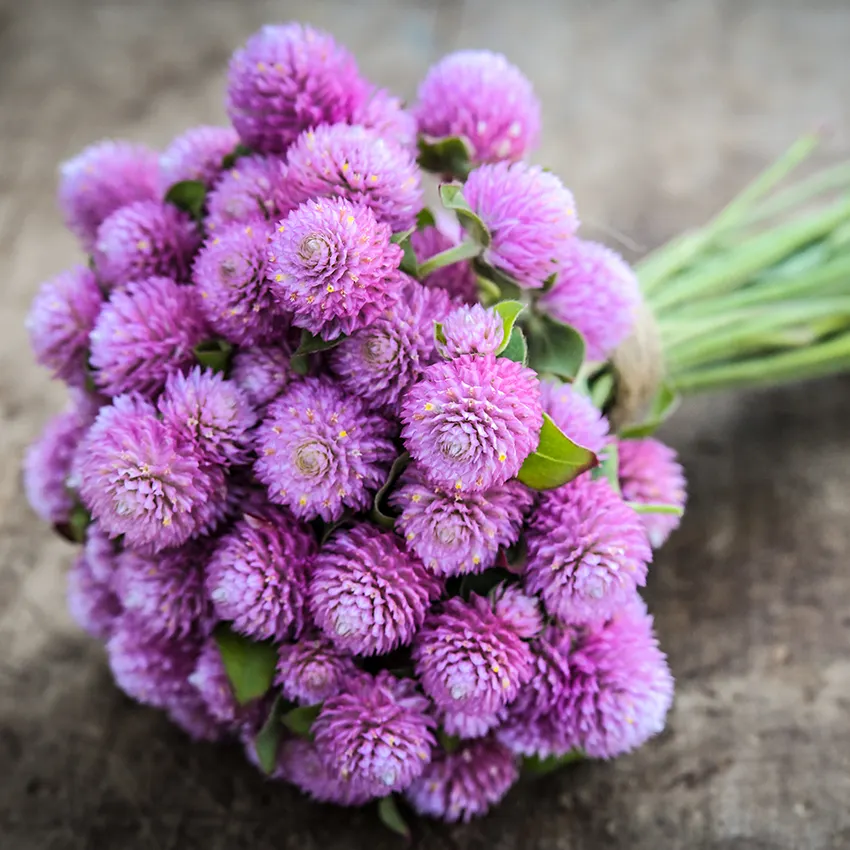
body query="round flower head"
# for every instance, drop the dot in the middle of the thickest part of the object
(312, 670)
(210, 414)
(650, 474)
(139, 481)
(286, 79)
(299, 762)
(386, 116)
(376, 735)
(357, 164)
(597, 293)
(471, 330)
(146, 332)
(458, 279)
(262, 373)
(531, 218)
(465, 783)
(231, 276)
(189, 713)
(145, 239)
(257, 576)
(91, 602)
(101, 555)
(366, 594)
(479, 95)
(587, 551)
(471, 422)
(103, 178)
(518, 610)
(320, 451)
(210, 681)
(196, 154)
(575, 415)
(470, 659)
(454, 533)
(60, 320)
(255, 189)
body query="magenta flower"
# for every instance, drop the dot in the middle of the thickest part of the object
(189, 713)
(471, 329)
(262, 373)
(386, 116)
(458, 279)
(91, 602)
(575, 415)
(210, 681)
(196, 154)
(312, 670)
(101, 555)
(299, 762)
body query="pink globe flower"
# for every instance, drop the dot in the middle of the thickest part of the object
(262, 373)
(312, 670)
(471, 330)
(91, 601)
(196, 154)
(386, 116)
(575, 415)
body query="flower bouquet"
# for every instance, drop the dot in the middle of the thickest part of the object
(370, 486)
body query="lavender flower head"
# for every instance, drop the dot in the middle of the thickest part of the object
(531, 217)
(91, 601)
(386, 116)
(376, 735)
(481, 96)
(289, 78)
(210, 681)
(312, 670)
(143, 334)
(262, 373)
(321, 451)
(471, 422)
(357, 164)
(587, 551)
(455, 534)
(103, 178)
(196, 154)
(458, 279)
(257, 576)
(101, 555)
(60, 320)
(189, 713)
(299, 762)
(471, 330)
(575, 415)
(366, 594)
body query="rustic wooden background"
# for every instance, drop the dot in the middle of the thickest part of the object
(656, 111)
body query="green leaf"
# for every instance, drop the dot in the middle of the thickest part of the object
(300, 720)
(439, 336)
(409, 264)
(425, 218)
(378, 514)
(555, 348)
(214, 354)
(517, 348)
(602, 389)
(189, 196)
(391, 817)
(535, 766)
(448, 742)
(267, 740)
(666, 401)
(449, 156)
(466, 250)
(310, 344)
(325, 530)
(451, 195)
(488, 292)
(557, 459)
(249, 666)
(609, 466)
(74, 530)
(507, 286)
(651, 508)
(237, 153)
(509, 311)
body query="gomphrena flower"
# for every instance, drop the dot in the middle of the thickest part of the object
(464, 783)
(457, 279)
(375, 735)
(91, 601)
(143, 334)
(312, 670)
(231, 273)
(60, 320)
(333, 266)
(101, 555)
(138, 480)
(597, 293)
(366, 593)
(210, 414)
(483, 97)
(651, 474)
(587, 551)
(472, 329)
(103, 178)
(357, 164)
(471, 422)
(257, 576)
(210, 681)
(189, 713)
(320, 451)
(382, 361)
(530, 215)
(196, 154)
(384, 114)
(288, 78)
(576, 415)
(517, 609)
(262, 373)
(299, 762)
(456, 533)
(145, 239)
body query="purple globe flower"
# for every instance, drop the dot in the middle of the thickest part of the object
(91, 602)
(189, 713)
(458, 279)
(103, 178)
(518, 610)
(139, 481)
(575, 415)
(357, 164)
(471, 330)
(386, 116)
(262, 373)
(312, 670)
(471, 422)
(289, 78)
(257, 576)
(376, 735)
(651, 474)
(146, 332)
(210, 414)
(210, 681)
(587, 551)
(366, 593)
(196, 154)
(320, 451)
(465, 783)
(145, 239)
(597, 293)
(531, 218)
(453, 533)
(60, 320)
(333, 266)
(101, 555)
(299, 762)
(481, 96)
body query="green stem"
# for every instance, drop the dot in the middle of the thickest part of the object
(455, 254)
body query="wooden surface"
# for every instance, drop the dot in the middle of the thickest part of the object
(655, 113)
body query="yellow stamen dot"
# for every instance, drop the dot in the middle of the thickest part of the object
(166, 521)
(142, 245)
(495, 668)
(502, 458)
(345, 167)
(343, 434)
(458, 484)
(330, 288)
(302, 501)
(477, 560)
(416, 498)
(429, 406)
(350, 219)
(278, 278)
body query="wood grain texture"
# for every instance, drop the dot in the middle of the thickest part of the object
(656, 111)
